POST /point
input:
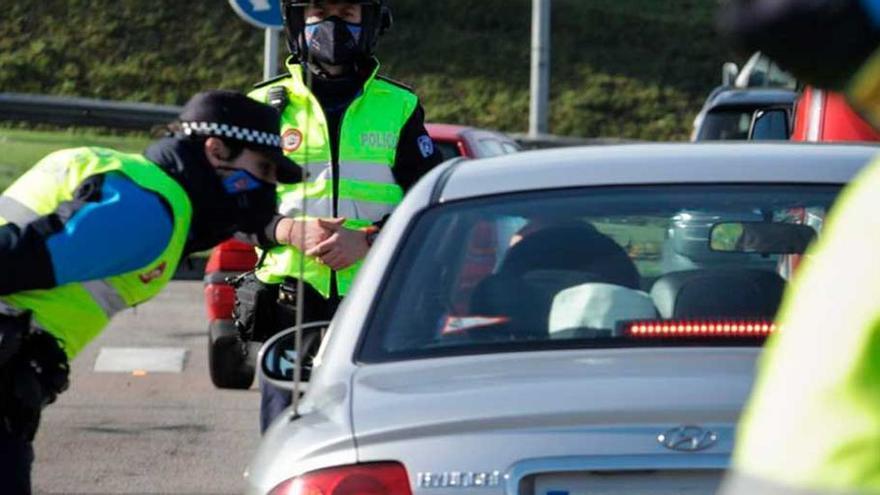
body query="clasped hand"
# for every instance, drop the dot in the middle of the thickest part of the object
(326, 239)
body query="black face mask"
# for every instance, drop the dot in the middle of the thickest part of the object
(254, 199)
(218, 212)
(255, 209)
(333, 41)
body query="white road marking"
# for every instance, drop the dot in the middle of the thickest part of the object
(130, 359)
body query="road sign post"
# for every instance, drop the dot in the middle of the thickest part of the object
(270, 55)
(540, 99)
(265, 14)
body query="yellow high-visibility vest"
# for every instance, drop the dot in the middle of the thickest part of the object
(76, 313)
(369, 133)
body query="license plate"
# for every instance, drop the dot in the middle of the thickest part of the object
(622, 483)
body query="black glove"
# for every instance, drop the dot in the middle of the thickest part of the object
(821, 42)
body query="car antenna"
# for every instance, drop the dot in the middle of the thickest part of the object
(300, 284)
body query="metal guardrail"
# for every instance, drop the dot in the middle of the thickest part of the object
(90, 112)
(62, 110)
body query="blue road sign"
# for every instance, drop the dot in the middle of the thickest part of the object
(264, 14)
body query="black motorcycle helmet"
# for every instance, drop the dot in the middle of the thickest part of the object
(376, 21)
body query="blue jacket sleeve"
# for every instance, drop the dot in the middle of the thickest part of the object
(126, 228)
(111, 227)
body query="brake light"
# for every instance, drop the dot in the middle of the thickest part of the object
(714, 329)
(388, 478)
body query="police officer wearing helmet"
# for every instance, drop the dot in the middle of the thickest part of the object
(89, 232)
(362, 141)
(812, 425)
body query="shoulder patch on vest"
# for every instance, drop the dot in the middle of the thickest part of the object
(272, 80)
(395, 82)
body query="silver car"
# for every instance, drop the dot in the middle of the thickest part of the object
(517, 328)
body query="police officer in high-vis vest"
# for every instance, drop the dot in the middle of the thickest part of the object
(89, 232)
(812, 425)
(360, 138)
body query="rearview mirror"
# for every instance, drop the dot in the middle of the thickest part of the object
(279, 356)
(760, 237)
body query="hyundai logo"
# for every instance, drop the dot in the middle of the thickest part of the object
(687, 439)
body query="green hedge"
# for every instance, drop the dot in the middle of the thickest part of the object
(625, 68)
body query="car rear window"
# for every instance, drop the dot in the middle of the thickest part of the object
(726, 125)
(596, 267)
(448, 150)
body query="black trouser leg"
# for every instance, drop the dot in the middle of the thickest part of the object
(274, 400)
(16, 459)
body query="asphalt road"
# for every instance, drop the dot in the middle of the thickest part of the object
(125, 432)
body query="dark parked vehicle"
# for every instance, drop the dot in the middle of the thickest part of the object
(732, 113)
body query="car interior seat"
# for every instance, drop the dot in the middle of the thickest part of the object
(545, 263)
(718, 293)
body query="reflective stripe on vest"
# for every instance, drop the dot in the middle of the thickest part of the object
(106, 296)
(323, 208)
(16, 212)
(367, 191)
(377, 173)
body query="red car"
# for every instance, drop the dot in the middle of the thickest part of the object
(229, 366)
(823, 116)
(455, 141)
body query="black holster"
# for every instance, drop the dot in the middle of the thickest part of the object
(255, 307)
(33, 372)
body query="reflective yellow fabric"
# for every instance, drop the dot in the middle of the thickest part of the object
(864, 90)
(76, 313)
(369, 133)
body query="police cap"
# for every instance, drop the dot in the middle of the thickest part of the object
(235, 117)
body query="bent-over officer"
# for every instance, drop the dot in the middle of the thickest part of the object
(89, 232)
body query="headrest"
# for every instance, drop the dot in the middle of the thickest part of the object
(718, 293)
(570, 248)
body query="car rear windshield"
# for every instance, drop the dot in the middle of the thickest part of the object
(726, 125)
(595, 267)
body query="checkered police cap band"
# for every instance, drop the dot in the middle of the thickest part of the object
(231, 131)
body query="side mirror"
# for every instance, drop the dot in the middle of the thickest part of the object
(760, 238)
(769, 125)
(279, 357)
(729, 71)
